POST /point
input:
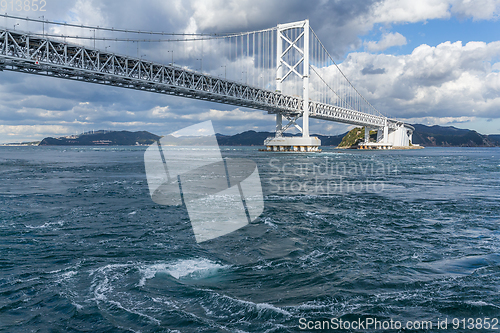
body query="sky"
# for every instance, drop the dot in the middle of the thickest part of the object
(433, 62)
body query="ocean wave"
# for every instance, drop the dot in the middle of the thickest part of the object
(45, 225)
(192, 268)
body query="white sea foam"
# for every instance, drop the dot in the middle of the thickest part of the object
(148, 317)
(65, 276)
(149, 271)
(107, 287)
(258, 306)
(45, 225)
(68, 274)
(77, 306)
(102, 283)
(481, 303)
(268, 221)
(193, 268)
(164, 301)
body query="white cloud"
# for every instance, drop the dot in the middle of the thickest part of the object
(228, 15)
(18, 133)
(235, 114)
(439, 120)
(449, 80)
(161, 112)
(388, 40)
(130, 123)
(404, 11)
(477, 9)
(88, 12)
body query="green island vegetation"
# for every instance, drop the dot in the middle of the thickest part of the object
(355, 136)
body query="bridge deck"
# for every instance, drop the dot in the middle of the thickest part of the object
(26, 53)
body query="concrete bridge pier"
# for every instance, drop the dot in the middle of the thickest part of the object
(367, 134)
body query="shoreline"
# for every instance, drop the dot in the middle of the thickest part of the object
(393, 148)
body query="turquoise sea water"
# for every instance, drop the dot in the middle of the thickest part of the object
(345, 235)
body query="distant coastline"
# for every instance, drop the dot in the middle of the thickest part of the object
(428, 136)
(103, 138)
(21, 144)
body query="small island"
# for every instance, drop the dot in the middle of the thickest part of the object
(103, 138)
(355, 136)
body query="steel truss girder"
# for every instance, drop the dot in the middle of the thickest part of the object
(348, 116)
(22, 52)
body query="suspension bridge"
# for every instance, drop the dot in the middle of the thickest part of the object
(285, 70)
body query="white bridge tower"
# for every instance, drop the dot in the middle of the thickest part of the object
(283, 70)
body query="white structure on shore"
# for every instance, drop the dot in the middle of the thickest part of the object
(388, 138)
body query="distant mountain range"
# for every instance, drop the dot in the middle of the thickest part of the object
(449, 136)
(427, 136)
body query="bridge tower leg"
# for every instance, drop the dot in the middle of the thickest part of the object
(383, 140)
(305, 143)
(305, 82)
(279, 85)
(279, 124)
